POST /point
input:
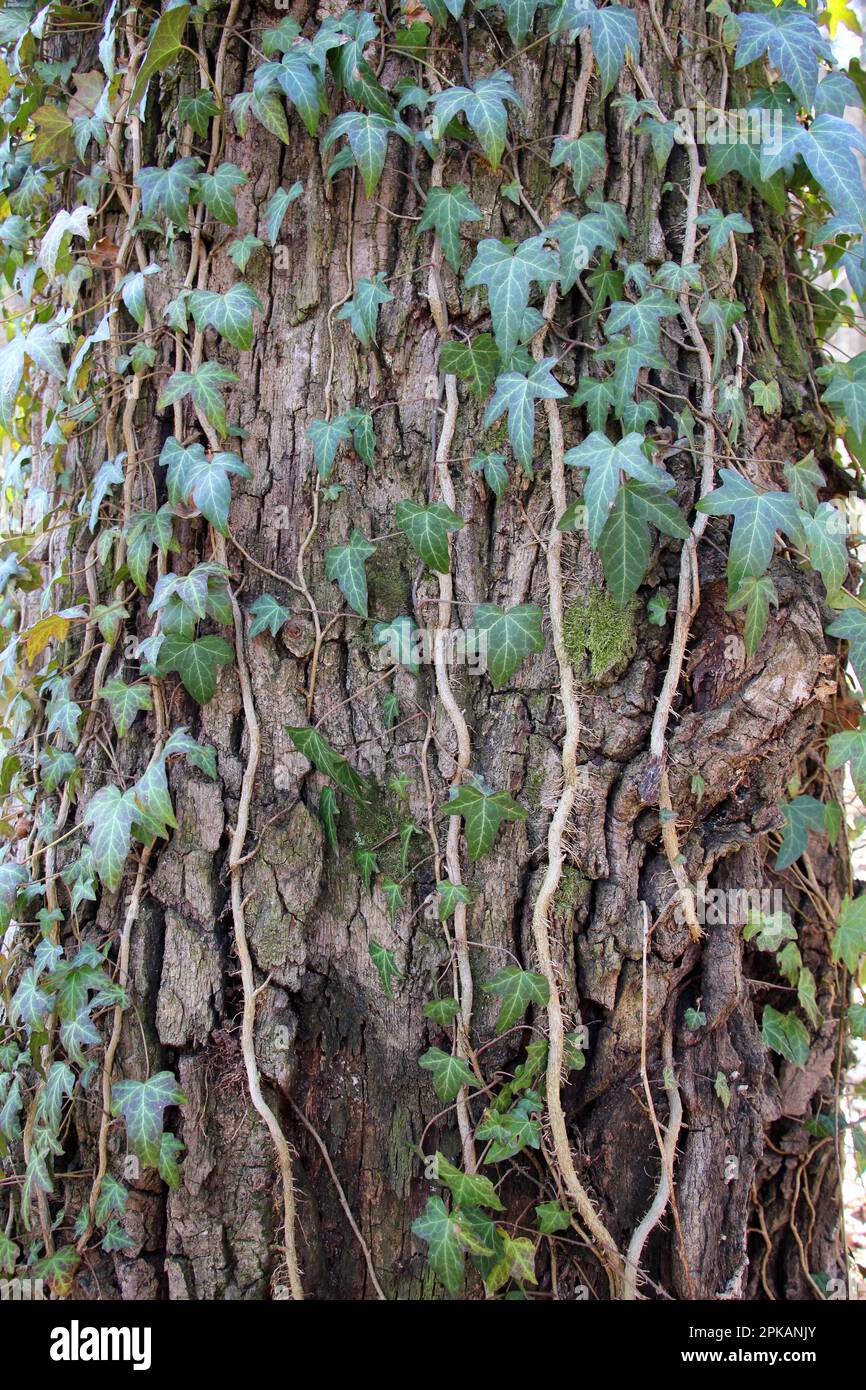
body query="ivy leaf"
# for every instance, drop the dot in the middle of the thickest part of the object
(368, 865)
(144, 531)
(217, 192)
(165, 44)
(785, 1034)
(467, 1189)
(386, 964)
(721, 226)
(450, 896)
(756, 596)
(450, 1074)
(196, 662)
(804, 480)
(791, 40)
(231, 314)
(598, 398)
(849, 938)
(444, 1248)
(767, 396)
(643, 317)
(517, 989)
(720, 318)
(850, 625)
(426, 529)
(614, 33)
(363, 309)
(142, 1104)
(825, 540)
(551, 1218)
(483, 813)
(476, 363)
(12, 879)
(109, 816)
(517, 393)
(492, 465)
(508, 276)
(198, 110)
(628, 359)
(267, 615)
(757, 517)
(769, 931)
(277, 208)
(511, 635)
(203, 386)
(444, 210)
(606, 463)
(802, 814)
(394, 896)
(326, 436)
(169, 189)
(328, 812)
(30, 1004)
(368, 141)
(442, 1011)
(125, 701)
(328, 760)
(201, 480)
(722, 1089)
(484, 108)
(346, 563)
(625, 547)
(846, 387)
(583, 155)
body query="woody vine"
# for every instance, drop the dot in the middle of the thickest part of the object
(88, 228)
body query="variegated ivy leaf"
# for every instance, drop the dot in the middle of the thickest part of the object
(326, 436)
(483, 813)
(13, 877)
(30, 1003)
(42, 348)
(386, 964)
(517, 392)
(143, 1104)
(476, 362)
(363, 309)
(517, 989)
(169, 189)
(59, 1085)
(450, 1074)
(154, 815)
(757, 518)
(850, 625)
(268, 615)
(125, 701)
(63, 224)
(792, 41)
(346, 563)
(203, 386)
(510, 636)
(426, 529)
(109, 817)
(583, 156)
(231, 314)
(508, 276)
(720, 316)
(607, 463)
(132, 293)
(756, 596)
(483, 106)
(613, 30)
(199, 755)
(444, 210)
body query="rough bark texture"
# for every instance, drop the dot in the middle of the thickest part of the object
(326, 1034)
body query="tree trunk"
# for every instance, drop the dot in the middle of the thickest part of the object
(756, 1211)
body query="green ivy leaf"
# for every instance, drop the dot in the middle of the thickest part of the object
(483, 813)
(508, 276)
(757, 517)
(756, 596)
(785, 1034)
(328, 761)
(476, 362)
(450, 1074)
(849, 938)
(109, 816)
(125, 701)
(467, 1189)
(444, 210)
(444, 1248)
(426, 529)
(326, 436)
(346, 564)
(267, 615)
(450, 895)
(169, 189)
(203, 386)
(198, 110)
(517, 989)
(442, 1011)
(231, 314)
(328, 812)
(495, 472)
(583, 155)
(484, 107)
(385, 962)
(802, 814)
(511, 635)
(607, 462)
(217, 192)
(517, 392)
(791, 40)
(277, 208)
(363, 309)
(196, 662)
(825, 540)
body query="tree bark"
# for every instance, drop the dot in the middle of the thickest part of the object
(757, 1195)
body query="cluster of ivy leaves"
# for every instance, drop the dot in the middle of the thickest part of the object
(55, 132)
